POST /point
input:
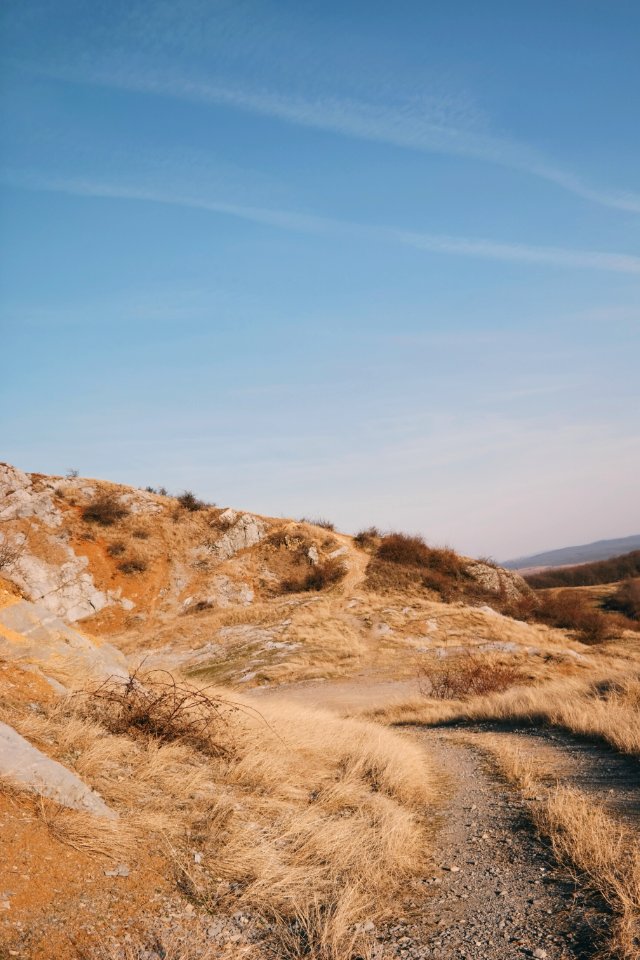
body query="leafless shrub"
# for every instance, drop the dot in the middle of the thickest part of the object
(190, 502)
(318, 522)
(626, 599)
(72, 473)
(116, 549)
(571, 610)
(140, 534)
(466, 675)
(367, 538)
(318, 578)
(200, 606)
(157, 706)
(413, 551)
(10, 553)
(106, 510)
(133, 565)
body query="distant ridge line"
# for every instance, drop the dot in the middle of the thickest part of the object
(579, 553)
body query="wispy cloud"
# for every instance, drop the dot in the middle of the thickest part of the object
(310, 223)
(429, 127)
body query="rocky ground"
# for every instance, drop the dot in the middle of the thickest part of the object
(493, 892)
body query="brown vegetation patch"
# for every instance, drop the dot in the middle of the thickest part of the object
(625, 600)
(190, 502)
(367, 538)
(105, 510)
(466, 675)
(623, 567)
(320, 577)
(571, 610)
(157, 706)
(133, 565)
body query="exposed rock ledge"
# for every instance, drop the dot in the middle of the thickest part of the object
(25, 766)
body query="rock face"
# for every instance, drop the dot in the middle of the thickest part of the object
(31, 634)
(504, 583)
(244, 532)
(25, 766)
(19, 500)
(65, 588)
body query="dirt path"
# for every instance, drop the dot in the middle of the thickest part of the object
(493, 893)
(611, 778)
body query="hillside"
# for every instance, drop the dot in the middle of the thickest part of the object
(197, 756)
(214, 591)
(582, 553)
(616, 568)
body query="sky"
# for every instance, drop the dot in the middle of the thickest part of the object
(373, 262)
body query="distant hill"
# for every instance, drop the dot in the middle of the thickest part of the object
(624, 567)
(583, 553)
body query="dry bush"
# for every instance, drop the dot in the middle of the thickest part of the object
(367, 538)
(157, 706)
(200, 606)
(140, 533)
(10, 553)
(625, 600)
(133, 565)
(190, 502)
(116, 549)
(323, 575)
(571, 610)
(403, 562)
(319, 522)
(105, 510)
(414, 552)
(466, 675)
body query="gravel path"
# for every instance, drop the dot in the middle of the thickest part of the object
(492, 892)
(611, 778)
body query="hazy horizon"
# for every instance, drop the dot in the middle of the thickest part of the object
(380, 266)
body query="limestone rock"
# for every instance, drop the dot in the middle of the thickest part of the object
(246, 531)
(19, 500)
(506, 583)
(31, 634)
(24, 765)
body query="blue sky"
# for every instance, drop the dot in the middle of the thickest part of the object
(374, 262)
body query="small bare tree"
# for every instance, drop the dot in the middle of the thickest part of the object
(10, 553)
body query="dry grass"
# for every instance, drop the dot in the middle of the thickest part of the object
(308, 820)
(600, 708)
(599, 852)
(466, 675)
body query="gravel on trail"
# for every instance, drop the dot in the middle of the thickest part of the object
(493, 892)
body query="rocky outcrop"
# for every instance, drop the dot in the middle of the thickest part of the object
(65, 588)
(23, 765)
(244, 532)
(31, 634)
(504, 583)
(18, 499)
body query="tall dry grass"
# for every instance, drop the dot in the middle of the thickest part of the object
(600, 708)
(308, 820)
